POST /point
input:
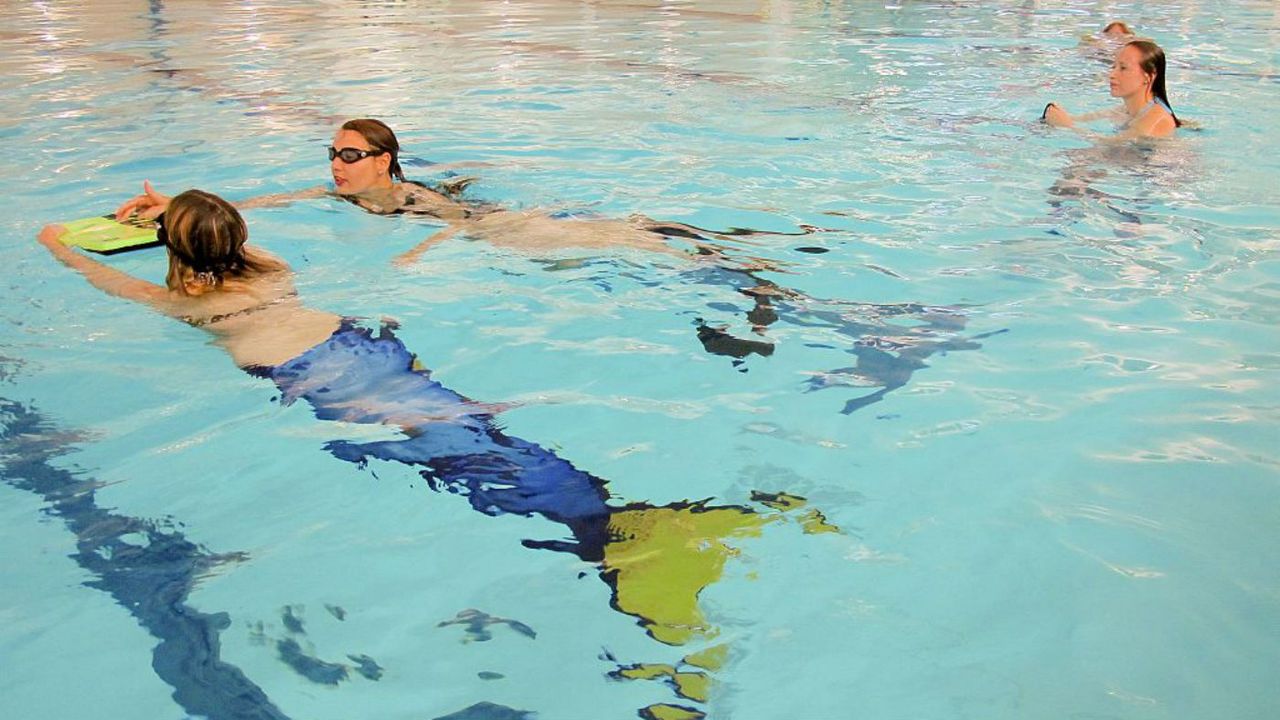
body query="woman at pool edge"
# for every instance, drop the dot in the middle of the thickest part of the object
(365, 166)
(1138, 78)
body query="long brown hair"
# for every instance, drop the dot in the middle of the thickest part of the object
(206, 238)
(380, 137)
(1153, 64)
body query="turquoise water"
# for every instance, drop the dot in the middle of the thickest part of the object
(1065, 504)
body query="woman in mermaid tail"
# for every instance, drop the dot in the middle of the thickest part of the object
(364, 160)
(245, 298)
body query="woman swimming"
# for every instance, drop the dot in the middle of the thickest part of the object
(1138, 78)
(346, 372)
(364, 162)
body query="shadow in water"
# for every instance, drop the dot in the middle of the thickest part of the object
(655, 559)
(148, 567)
(889, 341)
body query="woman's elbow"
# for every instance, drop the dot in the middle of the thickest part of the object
(51, 232)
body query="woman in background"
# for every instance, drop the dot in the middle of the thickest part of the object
(1137, 77)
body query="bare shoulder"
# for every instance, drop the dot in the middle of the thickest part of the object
(418, 190)
(1157, 123)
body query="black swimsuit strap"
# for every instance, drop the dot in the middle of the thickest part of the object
(201, 322)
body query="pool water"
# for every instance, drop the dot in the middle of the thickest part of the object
(1000, 441)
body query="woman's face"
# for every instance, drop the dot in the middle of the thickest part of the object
(362, 175)
(1127, 76)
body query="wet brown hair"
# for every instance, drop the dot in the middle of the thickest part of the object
(1118, 25)
(206, 236)
(380, 137)
(1153, 63)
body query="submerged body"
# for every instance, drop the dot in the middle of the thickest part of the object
(356, 376)
(365, 169)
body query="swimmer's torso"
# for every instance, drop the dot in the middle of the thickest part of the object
(260, 321)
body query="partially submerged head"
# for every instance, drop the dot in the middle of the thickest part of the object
(1117, 30)
(206, 238)
(365, 155)
(1139, 67)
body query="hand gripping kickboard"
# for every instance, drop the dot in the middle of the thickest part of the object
(102, 234)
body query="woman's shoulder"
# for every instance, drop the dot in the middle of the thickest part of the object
(414, 189)
(1158, 122)
(420, 199)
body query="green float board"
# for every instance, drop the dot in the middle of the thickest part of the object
(102, 234)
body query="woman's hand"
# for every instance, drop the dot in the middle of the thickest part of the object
(1054, 115)
(148, 205)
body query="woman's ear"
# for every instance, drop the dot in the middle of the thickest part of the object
(384, 163)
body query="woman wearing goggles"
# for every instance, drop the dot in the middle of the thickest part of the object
(364, 161)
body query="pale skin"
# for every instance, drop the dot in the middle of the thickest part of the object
(259, 320)
(278, 328)
(1129, 82)
(368, 183)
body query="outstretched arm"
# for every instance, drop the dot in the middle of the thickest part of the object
(106, 279)
(284, 198)
(153, 202)
(408, 257)
(1109, 114)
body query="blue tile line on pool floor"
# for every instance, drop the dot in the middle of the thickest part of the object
(151, 581)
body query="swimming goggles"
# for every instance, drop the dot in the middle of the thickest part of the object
(350, 155)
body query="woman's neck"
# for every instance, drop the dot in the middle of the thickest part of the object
(1133, 104)
(378, 190)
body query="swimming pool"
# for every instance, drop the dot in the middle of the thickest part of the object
(1012, 452)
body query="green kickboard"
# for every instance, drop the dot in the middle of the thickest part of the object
(102, 234)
